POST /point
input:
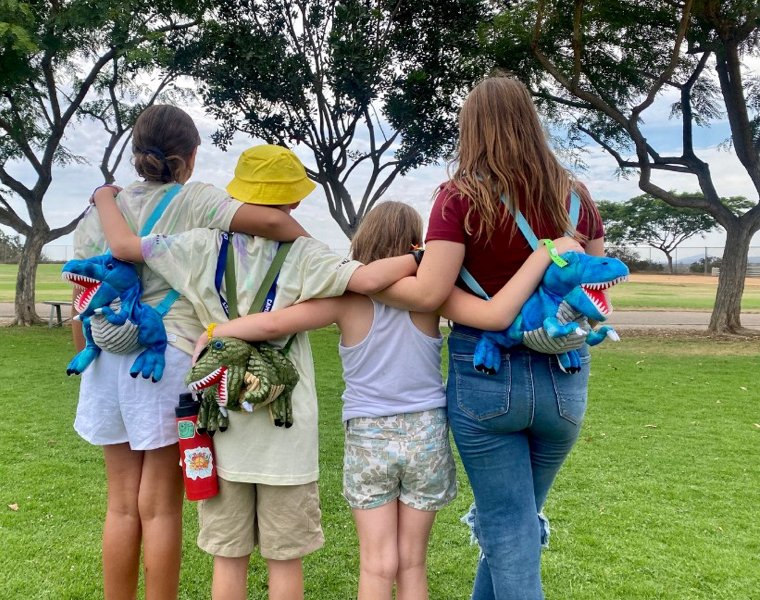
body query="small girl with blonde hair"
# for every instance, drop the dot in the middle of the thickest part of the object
(398, 465)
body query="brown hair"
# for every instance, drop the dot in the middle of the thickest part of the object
(389, 229)
(503, 151)
(163, 140)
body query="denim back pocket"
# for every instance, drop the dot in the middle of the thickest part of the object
(572, 389)
(481, 396)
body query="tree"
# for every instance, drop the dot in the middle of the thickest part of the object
(360, 83)
(706, 264)
(61, 63)
(10, 248)
(597, 66)
(648, 220)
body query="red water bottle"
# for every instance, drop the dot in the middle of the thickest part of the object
(196, 451)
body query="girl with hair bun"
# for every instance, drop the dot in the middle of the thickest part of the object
(133, 419)
(513, 429)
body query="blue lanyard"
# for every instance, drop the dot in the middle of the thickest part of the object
(220, 264)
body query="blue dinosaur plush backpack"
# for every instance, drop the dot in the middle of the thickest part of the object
(113, 317)
(554, 320)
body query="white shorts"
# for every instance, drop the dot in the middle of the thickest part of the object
(114, 408)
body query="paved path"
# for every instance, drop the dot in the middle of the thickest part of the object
(621, 319)
(43, 310)
(635, 319)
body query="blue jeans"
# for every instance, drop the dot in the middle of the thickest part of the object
(513, 431)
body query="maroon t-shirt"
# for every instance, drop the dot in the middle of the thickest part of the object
(493, 262)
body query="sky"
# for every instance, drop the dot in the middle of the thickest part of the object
(73, 184)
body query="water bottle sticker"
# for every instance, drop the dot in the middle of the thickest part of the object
(199, 463)
(185, 429)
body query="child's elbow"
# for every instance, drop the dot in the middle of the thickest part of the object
(128, 250)
(121, 251)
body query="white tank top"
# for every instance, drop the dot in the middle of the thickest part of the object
(395, 369)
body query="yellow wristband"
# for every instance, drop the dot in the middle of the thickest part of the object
(210, 330)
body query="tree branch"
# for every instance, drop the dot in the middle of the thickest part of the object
(10, 217)
(668, 72)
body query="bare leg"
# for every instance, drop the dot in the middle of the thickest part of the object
(378, 550)
(160, 506)
(413, 535)
(230, 578)
(285, 579)
(122, 532)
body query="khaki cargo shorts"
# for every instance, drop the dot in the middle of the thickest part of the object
(283, 520)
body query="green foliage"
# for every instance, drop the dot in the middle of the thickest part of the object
(699, 266)
(332, 74)
(10, 247)
(631, 259)
(648, 220)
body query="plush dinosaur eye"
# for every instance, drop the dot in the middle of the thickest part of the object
(218, 344)
(109, 266)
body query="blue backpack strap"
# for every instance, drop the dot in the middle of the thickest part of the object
(575, 209)
(159, 210)
(472, 284)
(166, 303)
(170, 298)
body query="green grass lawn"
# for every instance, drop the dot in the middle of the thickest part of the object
(50, 286)
(635, 295)
(658, 500)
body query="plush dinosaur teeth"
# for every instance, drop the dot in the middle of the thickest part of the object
(222, 391)
(80, 280)
(209, 380)
(83, 299)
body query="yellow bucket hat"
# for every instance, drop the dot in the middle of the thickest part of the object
(272, 175)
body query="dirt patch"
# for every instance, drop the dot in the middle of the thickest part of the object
(686, 279)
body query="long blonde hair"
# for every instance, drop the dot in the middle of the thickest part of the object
(389, 229)
(503, 151)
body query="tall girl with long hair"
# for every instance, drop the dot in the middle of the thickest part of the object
(515, 428)
(133, 419)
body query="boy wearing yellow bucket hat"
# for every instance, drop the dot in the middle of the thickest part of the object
(268, 475)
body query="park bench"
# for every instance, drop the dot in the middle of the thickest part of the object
(752, 271)
(55, 310)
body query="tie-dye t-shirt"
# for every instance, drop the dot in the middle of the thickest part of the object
(252, 449)
(196, 205)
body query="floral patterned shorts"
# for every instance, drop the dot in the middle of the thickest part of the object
(406, 456)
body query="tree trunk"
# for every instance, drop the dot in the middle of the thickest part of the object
(670, 262)
(726, 315)
(25, 281)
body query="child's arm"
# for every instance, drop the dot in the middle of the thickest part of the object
(267, 222)
(312, 314)
(122, 241)
(499, 312)
(379, 274)
(433, 283)
(255, 220)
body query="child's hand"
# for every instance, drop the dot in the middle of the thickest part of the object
(567, 244)
(199, 346)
